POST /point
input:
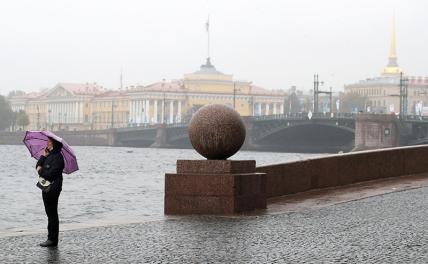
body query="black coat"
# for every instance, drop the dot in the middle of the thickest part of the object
(52, 167)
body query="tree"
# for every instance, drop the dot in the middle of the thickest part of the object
(15, 93)
(352, 102)
(292, 104)
(22, 119)
(5, 113)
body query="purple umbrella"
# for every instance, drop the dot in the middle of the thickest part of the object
(36, 143)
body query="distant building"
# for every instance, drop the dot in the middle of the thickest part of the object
(383, 91)
(64, 107)
(89, 106)
(175, 101)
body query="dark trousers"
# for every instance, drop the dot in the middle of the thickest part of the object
(50, 201)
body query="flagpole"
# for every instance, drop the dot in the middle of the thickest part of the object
(121, 78)
(208, 36)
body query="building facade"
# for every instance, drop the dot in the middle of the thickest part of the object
(175, 101)
(89, 106)
(383, 92)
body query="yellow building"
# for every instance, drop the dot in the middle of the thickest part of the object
(110, 109)
(175, 101)
(87, 106)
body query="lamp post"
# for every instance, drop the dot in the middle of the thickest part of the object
(65, 120)
(234, 95)
(38, 118)
(59, 121)
(112, 113)
(164, 109)
(403, 85)
(403, 96)
(142, 116)
(92, 120)
(317, 91)
(49, 118)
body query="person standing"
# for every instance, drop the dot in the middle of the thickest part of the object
(50, 167)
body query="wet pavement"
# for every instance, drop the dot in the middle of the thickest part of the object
(386, 228)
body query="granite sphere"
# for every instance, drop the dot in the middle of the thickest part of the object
(216, 131)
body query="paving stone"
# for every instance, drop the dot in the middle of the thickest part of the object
(390, 228)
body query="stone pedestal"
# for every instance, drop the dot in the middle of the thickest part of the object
(374, 131)
(214, 187)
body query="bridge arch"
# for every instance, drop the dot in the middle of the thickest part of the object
(308, 137)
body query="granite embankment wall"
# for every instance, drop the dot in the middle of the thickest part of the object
(343, 169)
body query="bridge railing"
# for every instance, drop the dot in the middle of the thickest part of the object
(416, 118)
(305, 116)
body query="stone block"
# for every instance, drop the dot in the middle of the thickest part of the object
(214, 184)
(214, 187)
(323, 172)
(350, 168)
(216, 166)
(415, 159)
(288, 178)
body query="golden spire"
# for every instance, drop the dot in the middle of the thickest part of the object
(392, 68)
(393, 48)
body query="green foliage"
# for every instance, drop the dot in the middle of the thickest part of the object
(352, 102)
(22, 119)
(6, 114)
(15, 93)
(292, 104)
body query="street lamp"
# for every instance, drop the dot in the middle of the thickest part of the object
(164, 108)
(49, 118)
(112, 113)
(316, 91)
(65, 119)
(59, 121)
(234, 95)
(142, 116)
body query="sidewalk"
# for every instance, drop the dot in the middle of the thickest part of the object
(387, 228)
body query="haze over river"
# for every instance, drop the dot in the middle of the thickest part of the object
(113, 185)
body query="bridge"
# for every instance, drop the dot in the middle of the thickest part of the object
(298, 132)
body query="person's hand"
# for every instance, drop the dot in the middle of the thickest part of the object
(39, 168)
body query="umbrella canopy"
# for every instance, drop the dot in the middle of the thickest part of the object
(36, 142)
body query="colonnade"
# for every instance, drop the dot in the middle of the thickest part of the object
(268, 109)
(155, 111)
(65, 113)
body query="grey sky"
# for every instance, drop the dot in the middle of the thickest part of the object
(275, 44)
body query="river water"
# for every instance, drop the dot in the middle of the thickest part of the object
(113, 185)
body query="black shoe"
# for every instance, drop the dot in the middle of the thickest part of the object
(48, 243)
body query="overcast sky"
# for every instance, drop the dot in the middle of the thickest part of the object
(274, 44)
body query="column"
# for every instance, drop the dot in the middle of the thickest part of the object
(155, 112)
(76, 114)
(267, 109)
(282, 108)
(140, 110)
(147, 111)
(81, 112)
(274, 108)
(179, 112)
(134, 112)
(163, 112)
(171, 112)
